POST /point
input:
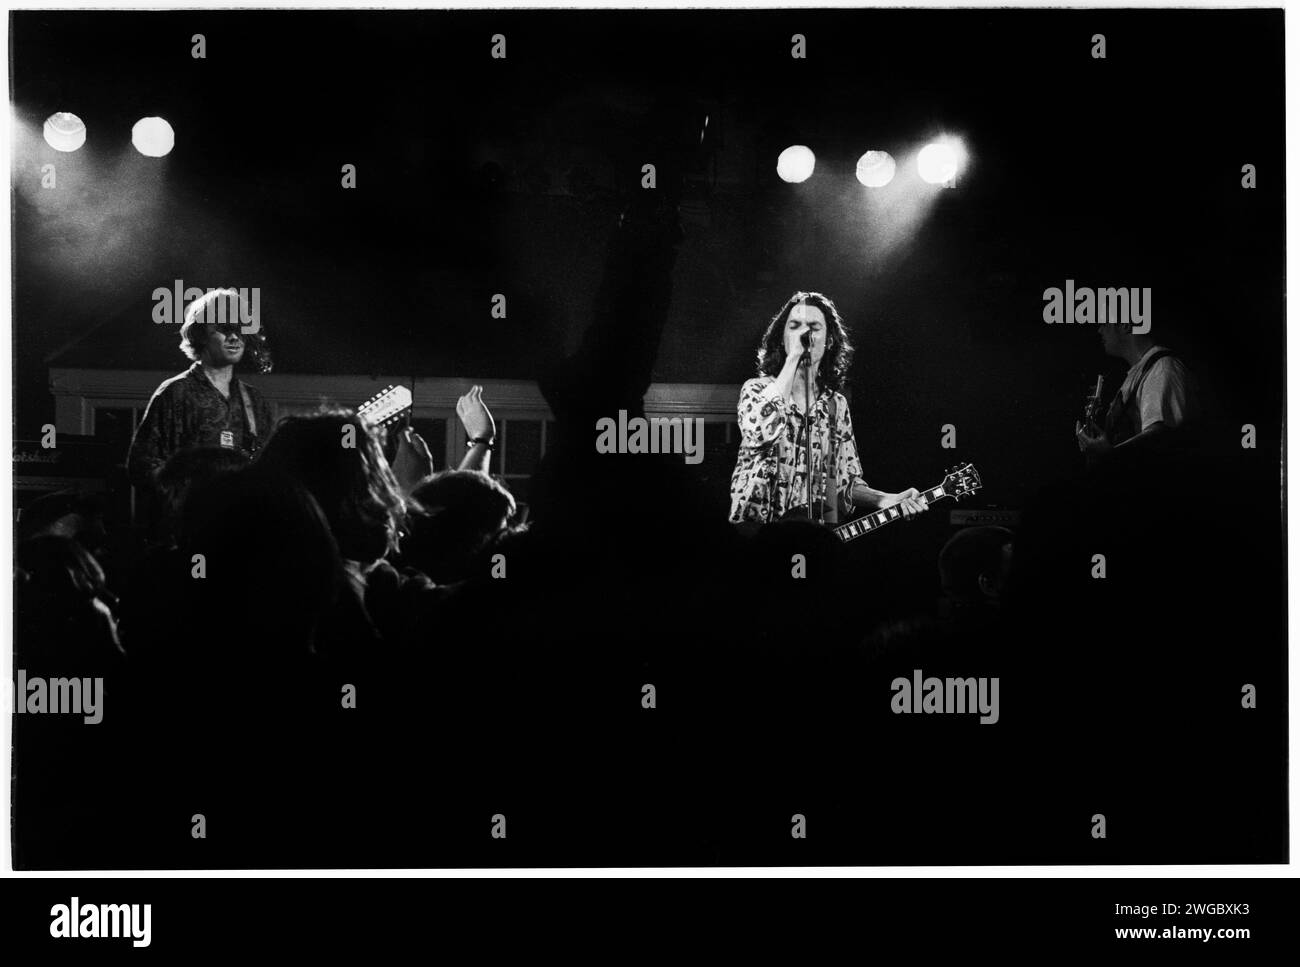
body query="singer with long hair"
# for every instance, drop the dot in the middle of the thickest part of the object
(796, 399)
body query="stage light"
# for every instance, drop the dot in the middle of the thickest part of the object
(153, 137)
(939, 162)
(876, 169)
(795, 163)
(65, 131)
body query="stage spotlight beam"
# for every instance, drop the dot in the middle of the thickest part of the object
(64, 131)
(876, 169)
(941, 161)
(796, 163)
(153, 137)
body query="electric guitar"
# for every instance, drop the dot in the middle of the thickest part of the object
(1094, 410)
(960, 482)
(1094, 416)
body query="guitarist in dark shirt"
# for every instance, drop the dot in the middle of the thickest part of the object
(207, 405)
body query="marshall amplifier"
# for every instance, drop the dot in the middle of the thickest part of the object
(978, 517)
(76, 463)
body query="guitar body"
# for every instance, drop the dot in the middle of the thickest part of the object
(960, 482)
(751, 527)
(821, 515)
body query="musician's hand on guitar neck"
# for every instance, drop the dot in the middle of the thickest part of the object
(909, 501)
(413, 463)
(1092, 441)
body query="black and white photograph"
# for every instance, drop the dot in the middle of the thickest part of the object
(648, 438)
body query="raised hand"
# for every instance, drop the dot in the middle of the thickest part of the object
(413, 462)
(475, 416)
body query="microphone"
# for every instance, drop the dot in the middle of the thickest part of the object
(805, 358)
(259, 352)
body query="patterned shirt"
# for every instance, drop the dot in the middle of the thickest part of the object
(188, 411)
(771, 470)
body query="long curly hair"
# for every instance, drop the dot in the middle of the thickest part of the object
(353, 485)
(834, 368)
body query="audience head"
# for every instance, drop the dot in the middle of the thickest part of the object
(974, 564)
(270, 566)
(338, 457)
(62, 600)
(66, 513)
(461, 513)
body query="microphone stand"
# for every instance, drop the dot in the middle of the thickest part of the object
(807, 425)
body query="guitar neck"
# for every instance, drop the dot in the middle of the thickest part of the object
(865, 525)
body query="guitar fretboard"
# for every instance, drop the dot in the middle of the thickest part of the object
(863, 525)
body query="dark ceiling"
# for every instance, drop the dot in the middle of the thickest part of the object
(477, 176)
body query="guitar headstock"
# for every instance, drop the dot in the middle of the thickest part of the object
(961, 481)
(385, 406)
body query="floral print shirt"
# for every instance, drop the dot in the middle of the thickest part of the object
(771, 470)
